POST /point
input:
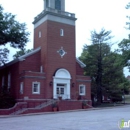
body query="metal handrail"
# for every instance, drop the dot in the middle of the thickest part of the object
(42, 105)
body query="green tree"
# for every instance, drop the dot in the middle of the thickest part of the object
(103, 65)
(124, 45)
(21, 52)
(12, 32)
(3, 56)
(128, 17)
(124, 48)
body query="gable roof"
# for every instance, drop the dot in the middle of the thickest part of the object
(21, 58)
(29, 54)
(82, 65)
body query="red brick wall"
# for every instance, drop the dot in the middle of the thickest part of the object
(79, 70)
(31, 63)
(17, 107)
(28, 78)
(51, 42)
(85, 80)
(33, 110)
(41, 42)
(70, 105)
(13, 70)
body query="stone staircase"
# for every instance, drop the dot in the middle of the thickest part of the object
(39, 107)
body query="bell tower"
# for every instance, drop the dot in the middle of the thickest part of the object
(55, 4)
(54, 32)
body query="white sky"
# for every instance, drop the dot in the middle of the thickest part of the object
(91, 14)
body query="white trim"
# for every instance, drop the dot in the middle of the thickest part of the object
(21, 87)
(103, 97)
(41, 69)
(22, 58)
(61, 32)
(38, 87)
(62, 76)
(80, 63)
(83, 89)
(55, 19)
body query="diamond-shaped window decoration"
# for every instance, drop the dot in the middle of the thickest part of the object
(62, 52)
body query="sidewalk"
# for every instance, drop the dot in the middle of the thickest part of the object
(44, 113)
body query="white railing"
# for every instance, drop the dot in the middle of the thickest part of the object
(56, 12)
(63, 96)
(45, 104)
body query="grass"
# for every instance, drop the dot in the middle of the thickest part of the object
(127, 98)
(110, 104)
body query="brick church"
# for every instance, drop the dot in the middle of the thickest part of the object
(51, 71)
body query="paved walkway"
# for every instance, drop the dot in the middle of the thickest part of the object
(101, 119)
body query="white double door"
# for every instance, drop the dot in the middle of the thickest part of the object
(61, 90)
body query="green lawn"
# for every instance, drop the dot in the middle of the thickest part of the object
(110, 104)
(127, 98)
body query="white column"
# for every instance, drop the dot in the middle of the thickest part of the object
(54, 90)
(68, 90)
(44, 4)
(52, 4)
(63, 5)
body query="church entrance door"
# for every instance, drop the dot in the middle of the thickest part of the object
(61, 91)
(61, 84)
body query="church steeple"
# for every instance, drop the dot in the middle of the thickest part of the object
(55, 4)
(54, 10)
(54, 33)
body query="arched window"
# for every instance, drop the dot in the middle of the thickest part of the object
(58, 4)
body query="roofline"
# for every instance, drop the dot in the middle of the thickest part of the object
(21, 58)
(82, 65)
(50, 11)
(28, 54)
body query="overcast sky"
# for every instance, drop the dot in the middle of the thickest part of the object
(91, 14)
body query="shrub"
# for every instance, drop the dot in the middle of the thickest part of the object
(6, 101)
(116, 97)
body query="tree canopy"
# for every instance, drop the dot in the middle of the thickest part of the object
(104, 66)
(124, 48)
(128, 17)
(22, 52)
(124, 45)
(12, 32)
